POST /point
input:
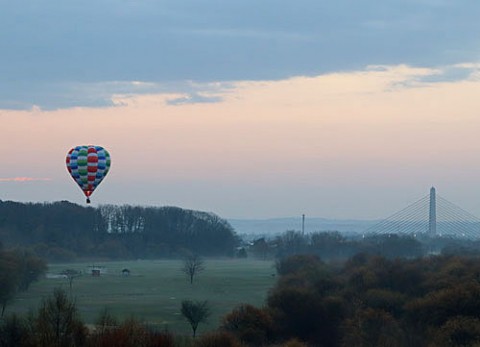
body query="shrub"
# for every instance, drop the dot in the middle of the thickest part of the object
(217, 339)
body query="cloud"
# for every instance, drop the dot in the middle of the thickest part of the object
(178, 93)
(115, 93)
(194, 98)
(23, 179)
(61, 46)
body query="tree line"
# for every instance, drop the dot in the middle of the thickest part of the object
(62, 231)
(334, 246)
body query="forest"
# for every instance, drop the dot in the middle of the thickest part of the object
(63, 231)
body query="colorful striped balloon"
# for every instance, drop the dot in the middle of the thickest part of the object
(88, 166)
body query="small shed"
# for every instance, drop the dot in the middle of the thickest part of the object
(97, 270)
(126, 272)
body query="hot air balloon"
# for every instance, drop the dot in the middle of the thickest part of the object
(88, 165)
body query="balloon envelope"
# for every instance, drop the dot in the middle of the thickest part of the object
(88, 165)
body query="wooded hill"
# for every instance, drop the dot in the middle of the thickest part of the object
(63, 231)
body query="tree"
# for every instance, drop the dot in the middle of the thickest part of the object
(71, 274)
(7, 291)
(31, 268)
(105, 322)
(57, 323)
(18, 269)
(249, 324)
(328, 245)
(306, 314)
(16, 331)
(291, 242)
(459, 331)
(260, 248)
(9, 279)
(129, 333)
(195, 312)
(372, 327)
(221, 338)
(300, 264)
(192, 266)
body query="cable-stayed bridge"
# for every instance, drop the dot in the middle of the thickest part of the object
(432, 216)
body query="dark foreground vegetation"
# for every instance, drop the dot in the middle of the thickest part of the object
(63, 231)
(366, 301)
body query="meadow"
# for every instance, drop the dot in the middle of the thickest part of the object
(153, 291)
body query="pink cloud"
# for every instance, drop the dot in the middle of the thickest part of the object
(23, 179)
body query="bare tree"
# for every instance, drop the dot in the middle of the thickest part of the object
(105, 322)
(193, 265)
(195, 312)
(71, 274)
(58, 324)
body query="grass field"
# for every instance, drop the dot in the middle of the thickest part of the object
(154, 290)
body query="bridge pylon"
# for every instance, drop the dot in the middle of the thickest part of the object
(432, 215)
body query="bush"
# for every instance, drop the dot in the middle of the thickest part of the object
(249, 324)
(294, 343)
(299, 264)
(218, 339)
(15, 332)
(57, 323)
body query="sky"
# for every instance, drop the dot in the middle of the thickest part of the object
(248, 109)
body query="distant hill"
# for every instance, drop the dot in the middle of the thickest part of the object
(269, 227)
